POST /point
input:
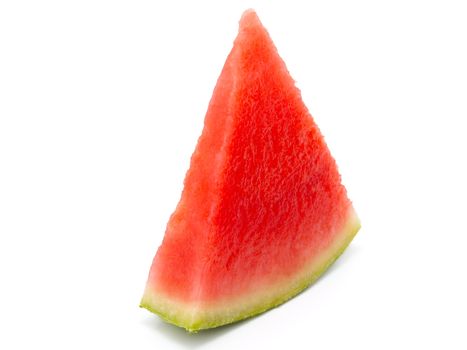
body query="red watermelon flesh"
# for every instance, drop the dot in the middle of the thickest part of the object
(263, 212)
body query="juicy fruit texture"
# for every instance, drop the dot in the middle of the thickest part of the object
(263, 212)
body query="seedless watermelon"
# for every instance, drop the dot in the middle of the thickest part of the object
(263, 212)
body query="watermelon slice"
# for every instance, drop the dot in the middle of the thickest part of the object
(263, 212)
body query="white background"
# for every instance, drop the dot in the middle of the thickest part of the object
(101, 104)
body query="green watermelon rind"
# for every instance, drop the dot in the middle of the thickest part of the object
(193, 324)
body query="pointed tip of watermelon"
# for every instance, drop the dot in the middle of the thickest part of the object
(249, 18)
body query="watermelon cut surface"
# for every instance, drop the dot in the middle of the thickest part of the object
(263, 212)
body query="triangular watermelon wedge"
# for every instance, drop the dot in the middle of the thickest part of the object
(263, 212)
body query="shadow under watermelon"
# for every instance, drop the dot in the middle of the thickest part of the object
(194, 340)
